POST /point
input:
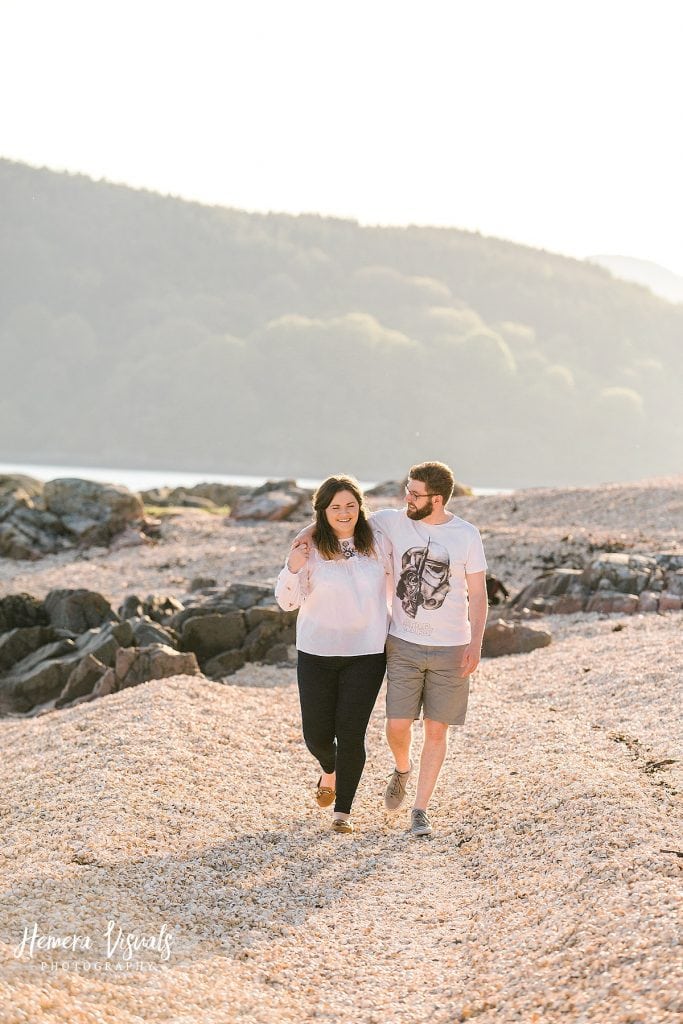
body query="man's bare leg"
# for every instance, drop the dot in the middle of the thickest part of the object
(432, 758)
(399, 737)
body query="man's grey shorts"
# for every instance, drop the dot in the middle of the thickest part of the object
(427, 678)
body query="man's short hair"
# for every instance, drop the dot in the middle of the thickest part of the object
(437, 476)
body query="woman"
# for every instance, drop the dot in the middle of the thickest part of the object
(337, 576)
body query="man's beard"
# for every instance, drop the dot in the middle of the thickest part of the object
(420, 513)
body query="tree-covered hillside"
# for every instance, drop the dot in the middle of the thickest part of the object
(141, 330)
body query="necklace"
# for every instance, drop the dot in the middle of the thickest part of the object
(348, 548)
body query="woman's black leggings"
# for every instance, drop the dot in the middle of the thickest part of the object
(337, 697)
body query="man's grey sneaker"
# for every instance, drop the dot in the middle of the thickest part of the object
(395, 793)
(419, 824)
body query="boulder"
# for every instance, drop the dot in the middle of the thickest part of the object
(92, 512)
(104, 641)
(255, 616)
(280, 654)
(161, 607)
(78, 610)
(16, 543)
(264, 636)
(81, 681)
(503, 637)
(147, 632)
(273, 506)
(138, 665)
(19, 610)
(18, 643)
(202, 583)
(131, 607)
(674, 582)
(12, 484)
(209, 635)
(225, 664)
(611, 601)
(648, 601)
(624, 573)
(33, 683)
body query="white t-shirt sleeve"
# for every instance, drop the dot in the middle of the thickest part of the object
(476, 559)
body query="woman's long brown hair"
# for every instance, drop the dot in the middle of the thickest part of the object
(324, 537)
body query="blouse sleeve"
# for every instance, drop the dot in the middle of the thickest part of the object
(288, 589)
(292, 588)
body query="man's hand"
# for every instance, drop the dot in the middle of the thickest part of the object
(478, 610)
(471, 658)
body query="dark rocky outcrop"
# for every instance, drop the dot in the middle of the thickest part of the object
(77, 610)
(610, 583)
(70, 647)
(37, 519)
(19, 610)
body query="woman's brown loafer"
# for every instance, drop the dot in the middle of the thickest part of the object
(324, 796)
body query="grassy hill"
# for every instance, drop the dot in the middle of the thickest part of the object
(142, 330)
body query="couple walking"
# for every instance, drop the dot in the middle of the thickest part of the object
(417, 574)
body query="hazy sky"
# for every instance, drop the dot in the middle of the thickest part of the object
(551, 122)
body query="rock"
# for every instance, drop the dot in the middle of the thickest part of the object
(611, 601)
(670, 602)
(94, 512)
(78, 610)
(627, 574)
(558, 583)
(674, 582)
(19, 484)
(255, 616)
(161, 607)
(103, 642)
(648, 601)
(19, 610)
(273, 506)
(17, 544)
(209, 635)
(264, 636)
(135, 666)
(18, 643)
(203, 495)
(146, 632)
(566, 604)
(388, 489)
(246, 595)
(129, 538)
(280, 654)
(225, 664)
(202, 583)
(396, 489)
(131, 608)
(81, 681)
(38, 679)
(37, 519)
(503, 637)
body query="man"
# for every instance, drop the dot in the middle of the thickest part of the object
(437, 625)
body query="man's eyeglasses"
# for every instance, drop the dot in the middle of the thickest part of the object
(416, 497)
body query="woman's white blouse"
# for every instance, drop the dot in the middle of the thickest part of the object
(344, 604)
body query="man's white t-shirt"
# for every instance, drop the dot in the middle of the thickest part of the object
(430, 603)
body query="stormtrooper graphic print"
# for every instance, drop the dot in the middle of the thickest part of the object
(423, 582)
